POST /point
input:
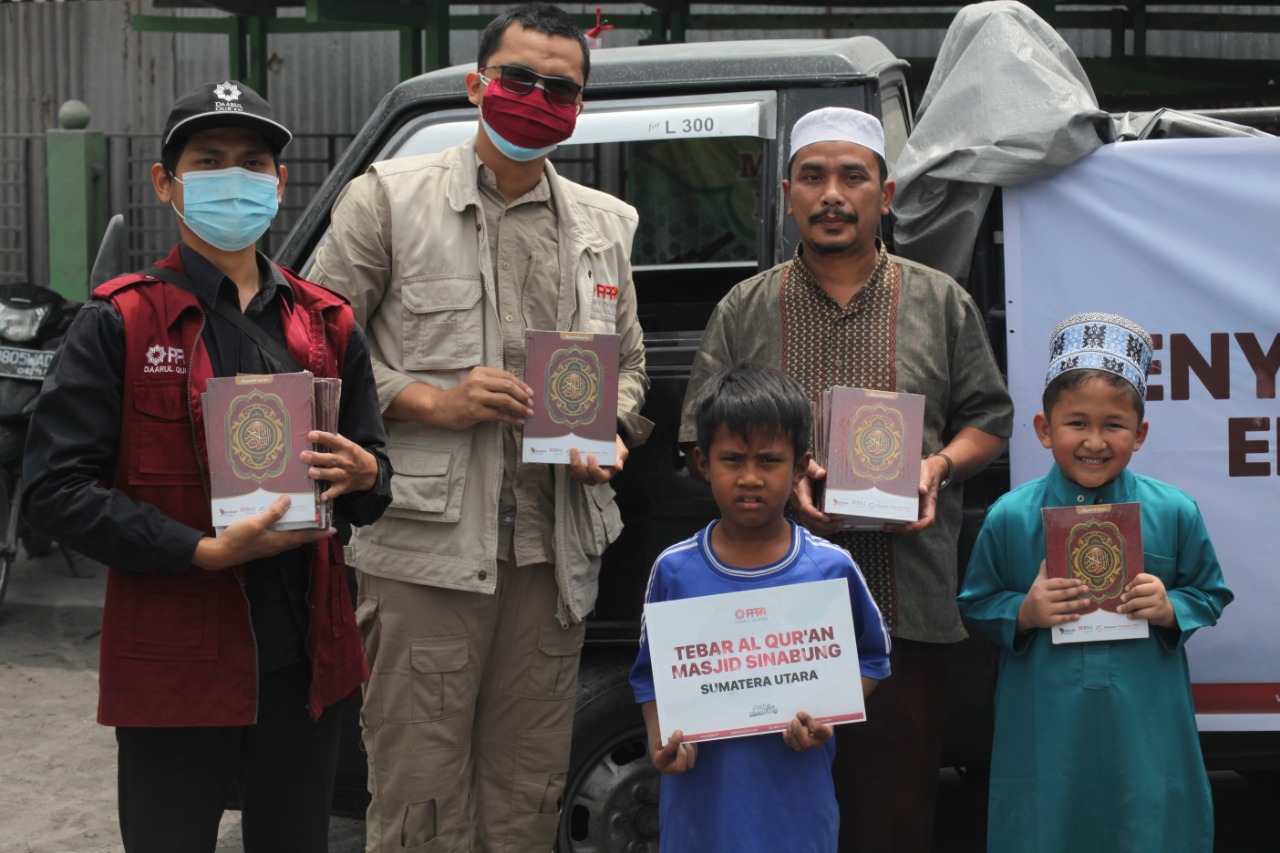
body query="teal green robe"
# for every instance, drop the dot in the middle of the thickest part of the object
(1095, 743)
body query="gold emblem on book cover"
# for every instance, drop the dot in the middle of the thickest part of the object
(573, 386)
(257, 430)
(875, 442)
(1096, 555)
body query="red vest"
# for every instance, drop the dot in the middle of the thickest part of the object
(178, 649)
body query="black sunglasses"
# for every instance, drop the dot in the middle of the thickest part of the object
(519, 80)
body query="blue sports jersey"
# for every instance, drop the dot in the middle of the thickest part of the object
(756, 793)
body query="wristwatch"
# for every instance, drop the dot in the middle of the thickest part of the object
(946, 478)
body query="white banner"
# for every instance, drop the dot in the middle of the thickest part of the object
(1183, 237)
(745, 663)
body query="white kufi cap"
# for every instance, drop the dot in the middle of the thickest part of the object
(838, 124)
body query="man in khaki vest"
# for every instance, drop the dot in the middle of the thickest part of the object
(474, 586)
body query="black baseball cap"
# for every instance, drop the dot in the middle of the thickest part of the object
(225, 104)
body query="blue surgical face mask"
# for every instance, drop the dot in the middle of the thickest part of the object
(512, 151)
(228, 208)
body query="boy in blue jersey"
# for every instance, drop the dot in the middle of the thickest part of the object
(753, 428)
(1095, 743)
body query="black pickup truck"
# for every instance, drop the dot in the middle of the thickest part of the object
(693, 136)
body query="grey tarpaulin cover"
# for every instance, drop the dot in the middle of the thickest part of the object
(1007, 103)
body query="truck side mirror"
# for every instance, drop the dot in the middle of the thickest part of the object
(111, 259)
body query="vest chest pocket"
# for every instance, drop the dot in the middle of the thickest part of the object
(443, 323)
(161, 452)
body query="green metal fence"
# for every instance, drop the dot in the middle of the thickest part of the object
(23, 238)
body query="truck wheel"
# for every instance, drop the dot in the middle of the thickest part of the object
(611, 796)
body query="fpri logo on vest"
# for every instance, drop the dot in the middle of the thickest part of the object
(162, 359)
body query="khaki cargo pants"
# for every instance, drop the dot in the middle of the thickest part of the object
(468, 713)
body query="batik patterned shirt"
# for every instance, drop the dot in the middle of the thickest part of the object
(912, 329)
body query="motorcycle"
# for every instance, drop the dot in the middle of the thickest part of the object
(33, 320)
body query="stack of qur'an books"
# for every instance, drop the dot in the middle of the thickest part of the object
(256, 426)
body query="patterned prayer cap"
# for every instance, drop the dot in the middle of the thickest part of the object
(1101, 342)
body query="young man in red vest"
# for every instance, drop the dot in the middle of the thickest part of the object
(223, 659)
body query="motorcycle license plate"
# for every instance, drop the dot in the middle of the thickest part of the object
(20, 363)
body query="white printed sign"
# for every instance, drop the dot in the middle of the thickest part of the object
(745, 663)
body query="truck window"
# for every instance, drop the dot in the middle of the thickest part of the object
(896, 126)
(691, 165)
(700, 198)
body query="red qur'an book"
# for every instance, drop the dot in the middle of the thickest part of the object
(871, 441)
(574, 377)
(256, 427)
(1102, 546)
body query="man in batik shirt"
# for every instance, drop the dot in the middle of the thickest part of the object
(843, 311)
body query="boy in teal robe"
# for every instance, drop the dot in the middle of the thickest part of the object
(1095, 742)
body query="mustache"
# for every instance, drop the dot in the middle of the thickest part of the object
(846, 215)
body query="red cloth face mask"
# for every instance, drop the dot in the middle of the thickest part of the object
(527, 120)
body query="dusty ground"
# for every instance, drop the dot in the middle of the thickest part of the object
(57, 785)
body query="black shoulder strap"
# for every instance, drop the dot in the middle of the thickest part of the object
(268, 344)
